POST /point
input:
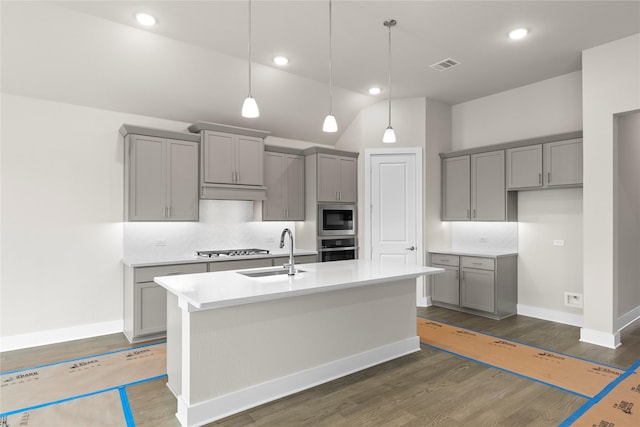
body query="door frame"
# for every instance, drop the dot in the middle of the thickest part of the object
(417, 152)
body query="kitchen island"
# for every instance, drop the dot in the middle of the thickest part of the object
(236, 341)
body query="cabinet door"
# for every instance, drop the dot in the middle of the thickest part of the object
(249, 160)
(446, 286)
(295, 199)
(182, 180)
(524, 167)
(150, 309)
(477, 290)
(273, 207)
(147, 177)
(218, 158)
(347, 187)
(563, 163)
(488, 192)
(328, 176)
(456, 189)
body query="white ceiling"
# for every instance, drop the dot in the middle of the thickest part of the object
(193, 64)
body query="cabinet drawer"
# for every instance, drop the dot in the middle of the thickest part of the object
(146, 274)
(444, 259)
(479, 263)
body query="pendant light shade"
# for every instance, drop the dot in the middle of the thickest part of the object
(330, 124)
(389, 136)
(250, 106)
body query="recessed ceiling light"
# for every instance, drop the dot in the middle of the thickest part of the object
(374, 91)
(145, 19)
(281, 60)
(518, 33)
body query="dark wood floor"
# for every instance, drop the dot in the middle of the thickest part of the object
(428, 388)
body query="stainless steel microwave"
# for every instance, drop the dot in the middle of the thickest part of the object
(336, 220)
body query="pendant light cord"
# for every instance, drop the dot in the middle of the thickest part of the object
(390, 24)
(250, 49)
(330, 64)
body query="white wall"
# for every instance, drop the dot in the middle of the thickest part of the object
(544, 108)
(628, 129)
(418, 122)
(611, 85)
(63, 236)
(547, 107)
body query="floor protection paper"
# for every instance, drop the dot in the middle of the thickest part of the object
(568, 373)
(58, 382)
(98, 410)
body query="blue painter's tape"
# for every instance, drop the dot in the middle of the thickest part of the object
(126, 408)
(80, 396)
(506, 370)
(598, 397)
(524, 343)
(83, 358)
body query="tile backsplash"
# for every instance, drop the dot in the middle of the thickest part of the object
(224, 224)
(484, 236)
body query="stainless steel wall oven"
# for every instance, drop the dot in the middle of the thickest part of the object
(337, 249)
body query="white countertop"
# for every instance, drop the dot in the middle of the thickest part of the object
(227, 288)
(486, 254)
(190, 259)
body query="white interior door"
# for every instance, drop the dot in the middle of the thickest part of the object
(396, 210)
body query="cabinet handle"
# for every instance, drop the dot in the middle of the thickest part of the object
(474, 213)
(168, 211)
(540, 178)
(463, 275)
(237, 176)
(468, 214)
(339, 195)
(457, 275)
(548, 177)
(286, 213)
(476, 263)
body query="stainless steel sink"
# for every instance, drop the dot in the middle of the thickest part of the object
(269, 272)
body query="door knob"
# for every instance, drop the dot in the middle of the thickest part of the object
(412, 248)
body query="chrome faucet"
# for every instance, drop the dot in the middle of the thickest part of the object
(291, 266)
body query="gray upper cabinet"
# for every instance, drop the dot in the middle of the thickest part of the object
(232, 159)
(473, 188)
(456, 189)
(524, 167)
(337, 178)
(563, 163)
(552, 164)
(161, 178)
(231, 162)
(284, 179)
(488, 192)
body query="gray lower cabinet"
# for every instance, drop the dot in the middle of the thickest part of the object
(284, 179)
(548, 165)
(145, 302)
(485, 286)
(161, 179)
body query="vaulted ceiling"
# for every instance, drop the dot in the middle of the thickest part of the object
(192, 65)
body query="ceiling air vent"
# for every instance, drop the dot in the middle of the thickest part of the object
(445, 64)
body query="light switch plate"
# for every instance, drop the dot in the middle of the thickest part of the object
(558, 243)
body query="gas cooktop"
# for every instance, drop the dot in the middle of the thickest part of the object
(231, 252)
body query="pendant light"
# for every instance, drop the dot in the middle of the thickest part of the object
(389, 134)
(330, 124)
(250, 107)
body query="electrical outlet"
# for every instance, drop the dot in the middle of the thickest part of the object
(573, 300)
(483, 239)
(160, 242)
(558, 243)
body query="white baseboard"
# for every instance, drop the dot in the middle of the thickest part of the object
(551, 315)
(628, 318)
(603, 339)
(52, 336)
(222, 406)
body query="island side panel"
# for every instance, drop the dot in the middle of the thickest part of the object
(174, 345)
(234, 348)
